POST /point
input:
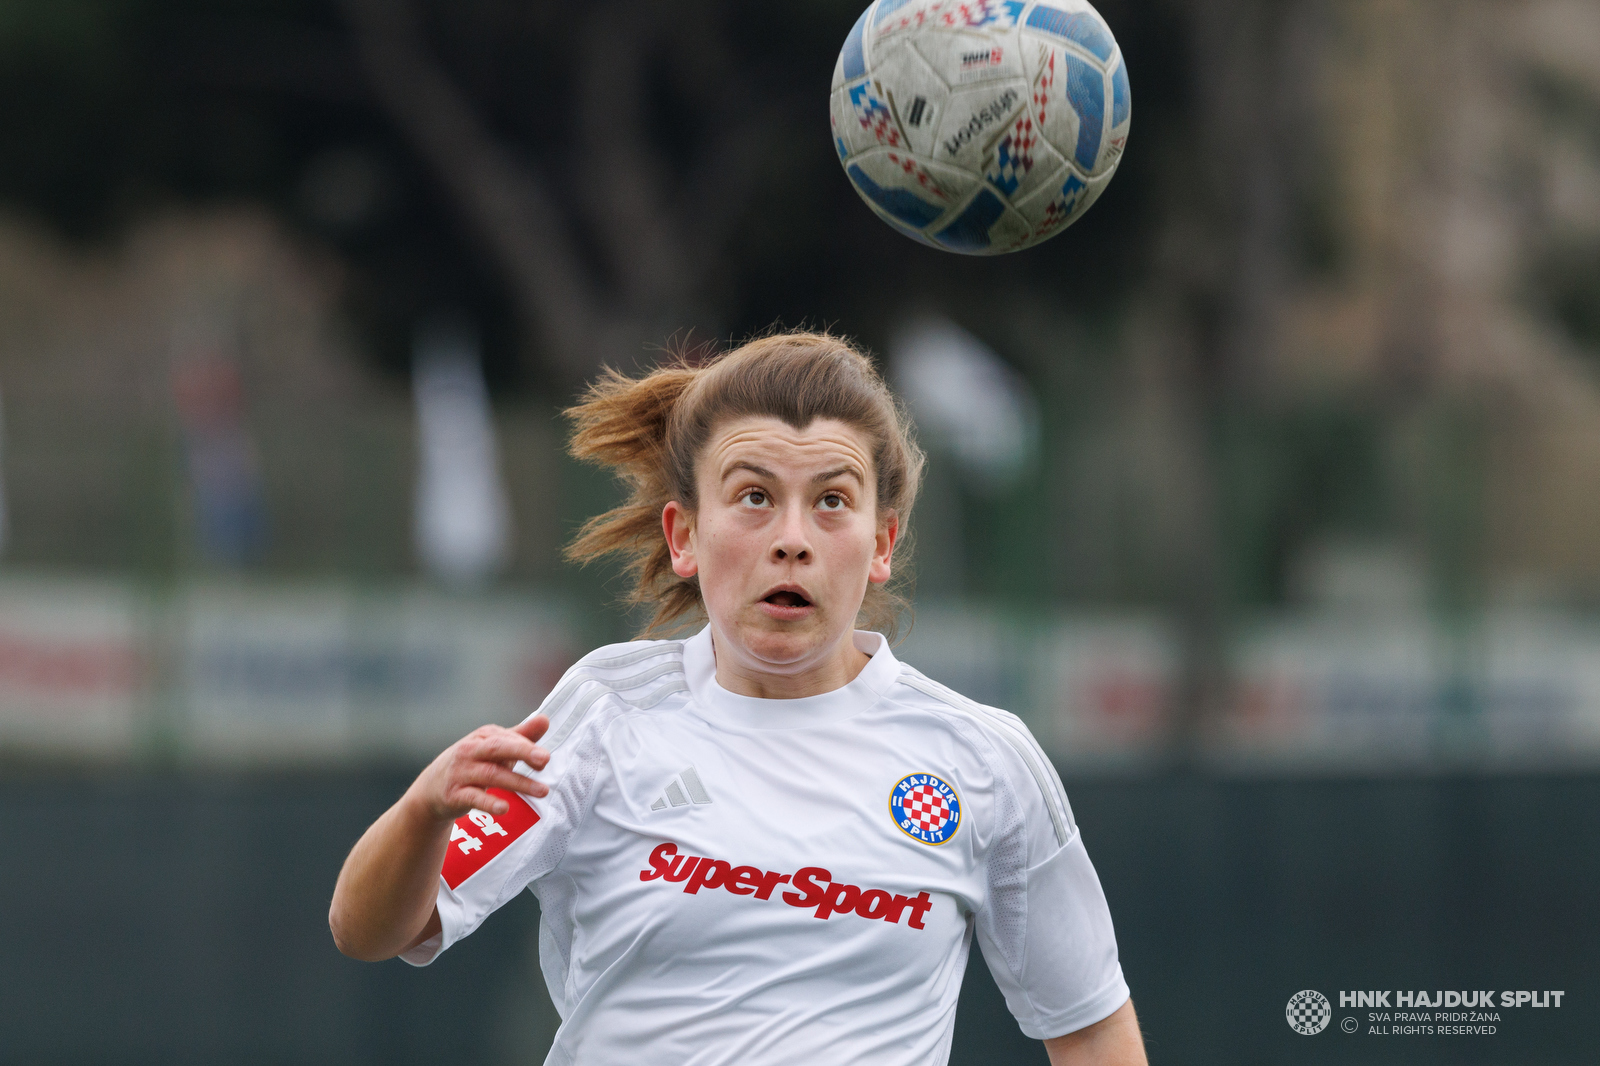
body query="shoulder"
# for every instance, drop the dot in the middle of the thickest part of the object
(913, 688)
(1000, 729)
(629, 661)
(641, 673)
(1005, 739)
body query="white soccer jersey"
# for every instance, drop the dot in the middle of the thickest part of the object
(725, 879)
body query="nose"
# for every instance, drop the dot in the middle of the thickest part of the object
(792, 543)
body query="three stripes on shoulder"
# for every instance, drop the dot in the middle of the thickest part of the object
(682, 790)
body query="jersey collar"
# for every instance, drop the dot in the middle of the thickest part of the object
(719, 705)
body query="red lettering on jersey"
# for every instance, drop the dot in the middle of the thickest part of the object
(839, 899)
(479, 836)
(743, 880)
(805, 879)
(874, 903)
(711, 874)
(660, 859)
(682, 867)
(816, 887)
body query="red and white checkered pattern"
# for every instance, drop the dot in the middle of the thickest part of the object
(914, 169)
(955, 15)
(1042, 85)
(925, 807)
(874, 116)
(1014, 157)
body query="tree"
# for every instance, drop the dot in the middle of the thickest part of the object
(657, 231)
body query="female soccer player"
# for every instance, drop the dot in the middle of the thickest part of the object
(769, 842)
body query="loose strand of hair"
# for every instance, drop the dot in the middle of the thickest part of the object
(621, 423)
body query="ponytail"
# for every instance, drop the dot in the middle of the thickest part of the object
(622, 423)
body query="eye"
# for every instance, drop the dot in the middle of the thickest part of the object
(833, 501)
(756, 498)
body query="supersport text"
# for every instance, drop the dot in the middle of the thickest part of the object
(816, 887)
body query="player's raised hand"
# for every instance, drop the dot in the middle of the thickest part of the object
(459, 779)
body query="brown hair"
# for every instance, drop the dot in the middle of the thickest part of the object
(651, 430)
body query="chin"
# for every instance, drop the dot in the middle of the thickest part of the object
(781, 645)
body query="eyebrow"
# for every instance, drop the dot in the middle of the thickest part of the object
(843, 470)
(758, 471)
(829, 475)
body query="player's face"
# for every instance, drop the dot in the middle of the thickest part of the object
(784, 541)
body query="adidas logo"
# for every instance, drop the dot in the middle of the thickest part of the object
(682, 791)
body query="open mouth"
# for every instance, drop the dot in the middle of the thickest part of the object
(787, 599)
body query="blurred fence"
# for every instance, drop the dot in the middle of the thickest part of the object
(1310, 690)
(274, 674)
(268, 673)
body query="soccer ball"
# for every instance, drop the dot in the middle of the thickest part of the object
(980, 126)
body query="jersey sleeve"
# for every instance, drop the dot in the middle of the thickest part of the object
(1045, 929)
(490, 858)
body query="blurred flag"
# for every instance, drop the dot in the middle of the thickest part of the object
(223, 477)
(463, 524)
(965, 399)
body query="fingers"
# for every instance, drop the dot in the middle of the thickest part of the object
(505, 746)
(471, 791)
(486, 758)
(476, 799)
(491, 775)
(533, 728)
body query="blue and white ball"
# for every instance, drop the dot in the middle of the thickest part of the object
(980, 126)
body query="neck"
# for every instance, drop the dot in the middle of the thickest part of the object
(831, 671)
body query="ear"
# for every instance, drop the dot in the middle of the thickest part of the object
(883, 548)
(677, 523)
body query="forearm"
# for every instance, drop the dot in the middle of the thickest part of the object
(386, 891)
(385, 897)
(1113, 1041)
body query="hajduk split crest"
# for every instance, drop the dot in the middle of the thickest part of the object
(925, 808)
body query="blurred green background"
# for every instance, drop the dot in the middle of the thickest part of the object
(1268, 494)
